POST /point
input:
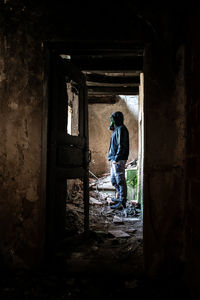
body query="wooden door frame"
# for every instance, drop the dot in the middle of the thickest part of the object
(48, 51)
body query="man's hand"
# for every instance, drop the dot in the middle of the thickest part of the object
(114, 162)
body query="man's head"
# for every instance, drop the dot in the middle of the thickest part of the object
(118, 118)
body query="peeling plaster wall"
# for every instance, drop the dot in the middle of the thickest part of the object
(99, 135)
(21, 91)
(192, 243)
(164, 172)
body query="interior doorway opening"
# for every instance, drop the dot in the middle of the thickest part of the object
(127, 222)
(78, 82)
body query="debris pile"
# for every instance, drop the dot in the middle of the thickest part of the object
(101, 216)
(74, 207)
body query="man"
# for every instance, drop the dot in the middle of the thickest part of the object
(118, 155)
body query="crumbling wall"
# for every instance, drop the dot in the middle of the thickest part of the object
(164, 154)
(192, 213)
(21, 89)
(99, 134)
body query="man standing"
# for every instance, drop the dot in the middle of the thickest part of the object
(118, 155)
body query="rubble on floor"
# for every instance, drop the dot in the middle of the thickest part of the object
(103, 263)
(115, 238)
(101, 216)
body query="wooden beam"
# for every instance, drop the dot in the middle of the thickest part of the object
(103, 99)
(113, 85)
(80, 46)
(113, 79)
(122, 64)
(94, 90)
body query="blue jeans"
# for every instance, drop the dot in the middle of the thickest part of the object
(117, 177)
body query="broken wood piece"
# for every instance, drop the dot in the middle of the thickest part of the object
(94, 201)
(119, 233)
(118, 220)
(130, 219)
(131, 230)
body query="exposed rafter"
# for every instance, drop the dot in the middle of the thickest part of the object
(119, 80)
(105, 90)
(108, 64)
(102, 99)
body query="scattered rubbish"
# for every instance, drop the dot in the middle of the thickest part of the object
(94, 201)
(130, 219)
(102, 219)
(117, 220)
(119, 233)
(131, 230)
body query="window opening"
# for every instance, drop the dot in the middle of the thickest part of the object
(73, 109)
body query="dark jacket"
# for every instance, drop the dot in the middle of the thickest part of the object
(119, 144)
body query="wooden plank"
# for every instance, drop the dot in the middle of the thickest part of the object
(119, 233)
(113, 90)
(122, 64)
(81, 112)
(108, 99)
(112, 85)
(86, 161)
(96, 46)
(112, 79)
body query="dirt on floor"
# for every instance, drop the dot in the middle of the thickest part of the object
(115, 240)
(103, 263)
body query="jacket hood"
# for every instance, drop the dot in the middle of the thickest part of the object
(118, 118)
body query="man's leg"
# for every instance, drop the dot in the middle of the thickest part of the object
(113, 177)
(119, 170)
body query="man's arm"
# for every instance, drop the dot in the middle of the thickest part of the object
(122, 142)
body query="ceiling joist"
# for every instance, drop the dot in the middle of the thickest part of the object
(105, 90)
(122, 64)
(104, 79)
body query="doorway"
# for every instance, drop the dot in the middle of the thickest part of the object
(79, 77)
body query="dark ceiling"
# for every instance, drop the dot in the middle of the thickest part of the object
(110, 69)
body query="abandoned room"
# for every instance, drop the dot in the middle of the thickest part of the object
(65, 68)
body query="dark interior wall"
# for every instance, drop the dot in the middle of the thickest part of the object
(164, 184)
(193, 150)
(24, 28)
(164, 164)
(21, 90)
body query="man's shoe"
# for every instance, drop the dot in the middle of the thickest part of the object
(117, 205)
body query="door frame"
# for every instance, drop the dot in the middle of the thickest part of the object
(49, 50)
